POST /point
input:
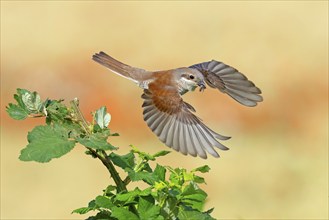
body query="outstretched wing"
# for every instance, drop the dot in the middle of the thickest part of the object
(171, 119)
(231, 81)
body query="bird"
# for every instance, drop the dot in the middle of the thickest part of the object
(168, 116)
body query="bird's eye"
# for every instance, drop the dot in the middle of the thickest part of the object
(191, 76)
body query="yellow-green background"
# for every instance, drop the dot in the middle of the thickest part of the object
(277, 167)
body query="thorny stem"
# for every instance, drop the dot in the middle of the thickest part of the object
(101, 154)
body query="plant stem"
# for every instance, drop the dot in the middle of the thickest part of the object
(110, 167)
(101, 154)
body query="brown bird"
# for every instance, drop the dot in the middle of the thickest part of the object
(172, 119)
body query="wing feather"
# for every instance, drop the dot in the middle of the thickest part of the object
(229, 80)
(188, 139)
(172, 120)
(197, 140)
(175, 141)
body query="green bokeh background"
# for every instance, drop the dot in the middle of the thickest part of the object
(277, 166)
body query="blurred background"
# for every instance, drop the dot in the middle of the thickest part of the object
(277, 166)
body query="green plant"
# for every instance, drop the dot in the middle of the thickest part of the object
(167, 196)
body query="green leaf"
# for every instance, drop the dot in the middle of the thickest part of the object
(102, 215)
(209, 211)
(176, 176)
(27, 103)
(82, 210)
(16, 112)
(109, 189)
(122, 213)
(92, 204)
(192, 189)
(146, 167)
(96, 141)
(198, 179)
(57, 111)
(142, 154)
(193, 215)
(159, 173)
(203, 169)
(102, 118)
(158, 186)
(32, 101)
(124, 161)
(194, 196)
(161, 153)
(147, 209)
(169, 209)
(18, 97)
(128, 197)
(45, 143)
(74, 130)
(104, 202)
(146, 192)
(145, 176)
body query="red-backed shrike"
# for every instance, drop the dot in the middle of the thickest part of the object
(165, 112)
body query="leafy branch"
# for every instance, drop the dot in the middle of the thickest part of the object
(173, 196)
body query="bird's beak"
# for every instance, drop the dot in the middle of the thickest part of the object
(202, 85)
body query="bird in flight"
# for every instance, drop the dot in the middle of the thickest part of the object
(172, 119)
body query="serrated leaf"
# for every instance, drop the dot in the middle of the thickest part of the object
(146, 167)
(24, 104)
(147, 209)
(145, 176)
(45, 143)
(82, 210)
(192, 189)
(193, 196)
(96, 141)
(159, 173)
(16, 112)
(128, 197)
(32, 101)
(109, 189)
(92, 204)
(102, 215)
(57, 111)
(146, 192)
(18, 97)
(193, 215)
(202, 169)
(122, 213)
(124, 161)
(176, 176)
(104, 202)
(169, 209)
(142, 154)
(102, 118)
(159, 186)
(198, 179)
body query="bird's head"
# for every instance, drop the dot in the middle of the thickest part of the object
(189, 79)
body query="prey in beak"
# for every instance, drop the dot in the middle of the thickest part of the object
(202, 85)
